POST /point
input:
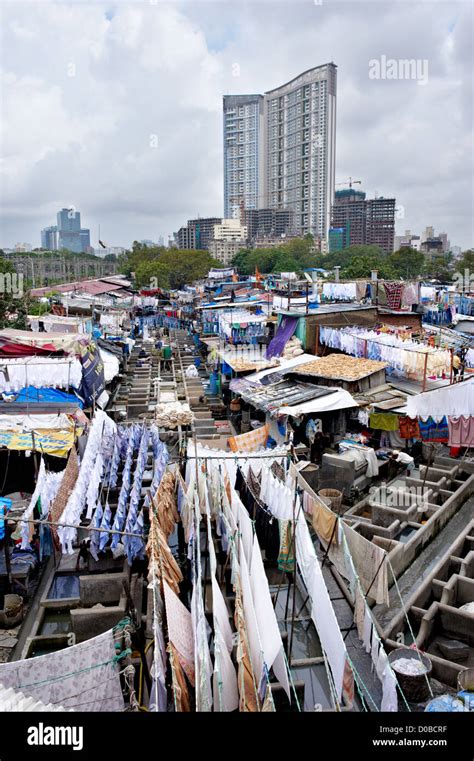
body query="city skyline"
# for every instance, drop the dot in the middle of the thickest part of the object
(125, 121)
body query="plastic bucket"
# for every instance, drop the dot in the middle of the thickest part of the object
(332, 498)
(415, 687)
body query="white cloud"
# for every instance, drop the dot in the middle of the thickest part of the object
(86, 85)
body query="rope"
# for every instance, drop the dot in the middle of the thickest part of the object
(411, 630)
(348, 555)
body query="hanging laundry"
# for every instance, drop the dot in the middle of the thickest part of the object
(394, 294)
(180, 631)
(286, 556)
(370, 563)
(384, 421)
(461, 431)
(284, 332)
(86, 676)
(324, 522)
(249, 442)
(409, 428)
(454, 400)
(431, 430)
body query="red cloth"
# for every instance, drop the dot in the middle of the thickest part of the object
(10, 349)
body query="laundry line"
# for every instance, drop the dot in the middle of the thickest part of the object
(430, 349)
(242, 456)
(40, 522)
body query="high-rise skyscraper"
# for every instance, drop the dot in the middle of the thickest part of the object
(243, 153)
(70, 233)
(285, 159)
(50, 238)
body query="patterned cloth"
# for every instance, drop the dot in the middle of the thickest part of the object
(180, 631)
(83, 676)
(71, 473)
(394, 294)
(430, 430)
(57, 443)
(251, 441)
(409, 429)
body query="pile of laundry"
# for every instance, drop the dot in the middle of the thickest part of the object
(409, 666)
(293, 348)
(172, 414)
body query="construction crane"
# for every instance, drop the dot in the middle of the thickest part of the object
(349, 182)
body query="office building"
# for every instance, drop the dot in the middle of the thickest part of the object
(229, 237)
(68, 233)
(408, 240)
(197, 233)
(50, 238)
(380, 223)
(268, 223)
(285, 159)
(348, 219)
(356, 221)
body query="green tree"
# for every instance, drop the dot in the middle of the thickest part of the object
(407, 263)
(362, 266)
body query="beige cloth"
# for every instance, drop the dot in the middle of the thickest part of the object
(367, 559)
(324, 522)
(164, 502)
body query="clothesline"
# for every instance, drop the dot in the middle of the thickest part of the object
(40, 522)
(429, 349)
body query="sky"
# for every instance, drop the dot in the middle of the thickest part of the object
(115, 108)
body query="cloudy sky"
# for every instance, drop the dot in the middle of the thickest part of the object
(116, 107)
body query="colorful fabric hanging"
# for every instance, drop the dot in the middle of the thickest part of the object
(431, 430)
(384, 421)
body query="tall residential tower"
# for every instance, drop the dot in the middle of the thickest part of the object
(285, 158)
(243, 153)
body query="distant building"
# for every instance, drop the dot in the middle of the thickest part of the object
(147, 242)
(432, 246)
(228, 238)
(115, 250)
(356, 221)
(279, 149)
(22, 248)
(243, 152)
(348, 219)
(446, 244)
(50, 238)
(408, 240)
(197, 233)
(68, 233)
(268, 223)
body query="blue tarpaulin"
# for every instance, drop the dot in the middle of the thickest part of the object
(32, 394)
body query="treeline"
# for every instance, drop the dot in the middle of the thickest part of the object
(354, 261)
(157, 266)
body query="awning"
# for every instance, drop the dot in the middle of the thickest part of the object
(44, 342)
